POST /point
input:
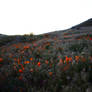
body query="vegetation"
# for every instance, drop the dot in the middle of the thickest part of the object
(45, 66)
(78, 47)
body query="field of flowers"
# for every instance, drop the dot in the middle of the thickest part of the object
(46, 65)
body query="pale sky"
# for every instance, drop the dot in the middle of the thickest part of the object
(42, 16)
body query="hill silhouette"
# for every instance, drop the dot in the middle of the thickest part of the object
(87, 23)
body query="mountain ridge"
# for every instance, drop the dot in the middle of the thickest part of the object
(87, 23)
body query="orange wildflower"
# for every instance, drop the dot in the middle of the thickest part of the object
(48, 43)
(17, 46)
(20, 71)
(70, 58)
(58, 56)
(50, 73)
(26, 47)
(1, 59)
(31, 59)
(15, 59)
(67, 59)
(26, 62)
(18, 61)
(77, 58)
(39, 64)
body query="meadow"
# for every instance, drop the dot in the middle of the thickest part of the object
(42, 64)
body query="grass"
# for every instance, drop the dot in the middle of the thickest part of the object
(45, 66)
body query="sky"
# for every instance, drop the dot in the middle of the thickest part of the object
(42, 16)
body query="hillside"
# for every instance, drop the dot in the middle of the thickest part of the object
(59, 61)
(87, 23)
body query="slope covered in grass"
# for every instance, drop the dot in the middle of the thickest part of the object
(45, 64)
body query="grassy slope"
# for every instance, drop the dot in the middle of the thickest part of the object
(45, 63)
